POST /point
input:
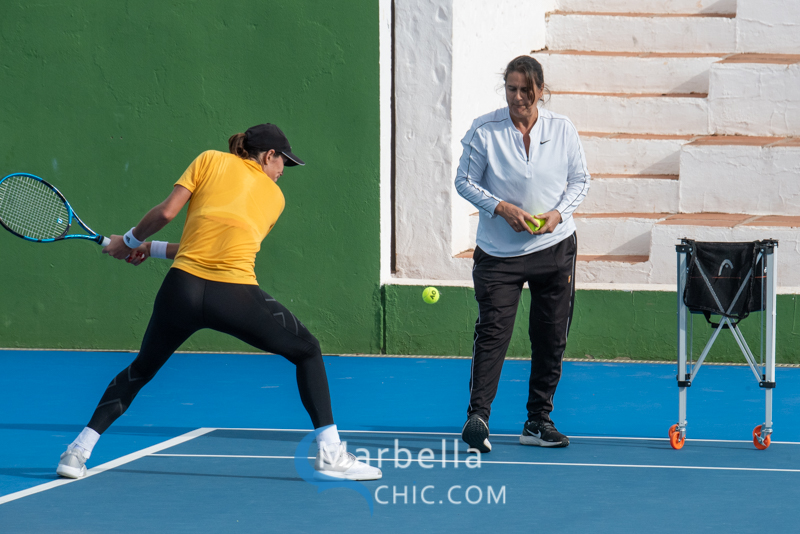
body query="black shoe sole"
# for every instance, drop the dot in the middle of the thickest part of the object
(538, 442)
(476, 434)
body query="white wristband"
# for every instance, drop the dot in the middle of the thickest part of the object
(158, 249)
(130, 241)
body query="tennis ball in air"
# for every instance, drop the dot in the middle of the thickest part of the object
(537, 225)
(430, 295)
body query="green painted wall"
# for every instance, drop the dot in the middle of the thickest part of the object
(641, 325)
(112, 100)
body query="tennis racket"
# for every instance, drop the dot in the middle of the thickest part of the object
(36, 211)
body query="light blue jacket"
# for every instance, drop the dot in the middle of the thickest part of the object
(494, 167)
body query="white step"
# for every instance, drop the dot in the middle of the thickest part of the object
(756, 175)
(768, 26)
(615, 233)
(668, 234)
(611, 270)
(613, 113)
(650, 6)
(618, 72)
(753, 94)
(701, 34)
(631, 193)
(632, 153)
(596, 268)
(660, 267)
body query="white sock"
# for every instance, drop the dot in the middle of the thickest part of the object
(327, 435)
(86, 441)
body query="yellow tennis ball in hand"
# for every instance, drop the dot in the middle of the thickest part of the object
(534, 226)
(430, 295)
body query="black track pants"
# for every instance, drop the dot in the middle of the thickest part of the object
(550, 274)
(186, 304)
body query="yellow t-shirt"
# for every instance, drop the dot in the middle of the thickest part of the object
(233, 207)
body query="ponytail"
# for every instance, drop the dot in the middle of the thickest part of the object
(236, 146)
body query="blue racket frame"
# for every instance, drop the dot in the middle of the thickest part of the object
(92, 235)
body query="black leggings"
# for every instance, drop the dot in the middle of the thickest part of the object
(186, 304)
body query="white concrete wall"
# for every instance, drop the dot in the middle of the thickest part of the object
(754, 180)
(423, 83)
(613, 236)
(755, 99)
(649, 6)
(768, 26)
(449, 56)
(612, 155)
(637, 114)
(484, 41)
(385, 68)
(610, 33)
(626, 74)
(631, 195)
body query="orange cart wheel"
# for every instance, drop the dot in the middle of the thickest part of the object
(673, 429)
(756, 434)
(675, 438)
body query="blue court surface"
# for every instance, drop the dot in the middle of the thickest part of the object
(220, 443)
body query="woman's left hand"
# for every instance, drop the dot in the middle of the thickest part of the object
(552, 219)
(139, 254)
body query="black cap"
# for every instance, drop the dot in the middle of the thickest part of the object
(266, 137)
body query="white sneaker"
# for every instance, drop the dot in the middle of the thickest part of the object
(72, 464)
(334, 461)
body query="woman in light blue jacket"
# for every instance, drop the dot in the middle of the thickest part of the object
(525, 170)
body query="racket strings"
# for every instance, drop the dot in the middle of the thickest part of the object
(30, 208)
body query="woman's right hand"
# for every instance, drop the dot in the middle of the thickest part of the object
(117, 248)
(514, 216)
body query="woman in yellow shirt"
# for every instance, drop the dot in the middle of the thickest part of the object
(234, 201)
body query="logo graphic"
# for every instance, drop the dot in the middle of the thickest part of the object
(543, 142)
(306, 472)
(724, 263)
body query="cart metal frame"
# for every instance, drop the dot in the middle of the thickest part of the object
(765, 374)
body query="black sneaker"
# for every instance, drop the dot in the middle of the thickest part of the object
(542, 434)
(476, 434)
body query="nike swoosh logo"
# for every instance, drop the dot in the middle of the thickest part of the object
(537, 435)
(543, 142)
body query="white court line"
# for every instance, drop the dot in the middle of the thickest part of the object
(169, 455)
(499, 435)
(497, 462)
(108, 465)
(150, 451)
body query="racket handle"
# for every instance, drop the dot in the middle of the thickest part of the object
(105, 242)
